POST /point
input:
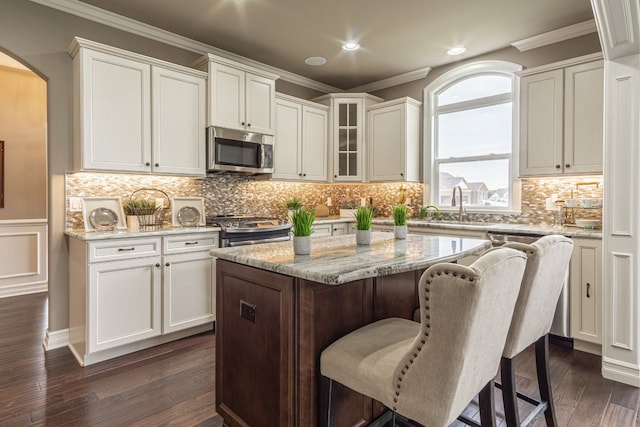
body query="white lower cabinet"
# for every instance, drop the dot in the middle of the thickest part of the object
(585, 279)
(330, 229)
(124, 302)
(132, 293)
(189, 298)
(339, 229)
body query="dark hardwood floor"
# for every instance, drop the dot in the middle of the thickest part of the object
(173, 384)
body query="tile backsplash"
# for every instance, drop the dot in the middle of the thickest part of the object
(233, 193)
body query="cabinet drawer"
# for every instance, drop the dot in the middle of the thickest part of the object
(321, 230)
(190, 242)
(111, 250)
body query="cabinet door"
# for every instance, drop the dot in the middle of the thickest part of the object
(226, 96)
(321, 230)
(387, 144)
(260, 104)
(124, 302)
(314, 144)
(586, 293)
(583, 118)
(178, 140)
(339, 229)
(188, 290)
(286, 156)
(347, 145)
(113, 101)
(541, 123)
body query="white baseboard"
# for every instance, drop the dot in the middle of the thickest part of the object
(23, 289)
(620, 371)
(56, 339)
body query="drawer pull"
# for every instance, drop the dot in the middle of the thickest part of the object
(126, 249)
(157, 264)
(191, 243)
(588, 286)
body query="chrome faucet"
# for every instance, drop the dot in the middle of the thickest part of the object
(453, 202)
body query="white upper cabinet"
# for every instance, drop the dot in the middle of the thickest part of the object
(179, 114)
(300, 151)
(394, 140)
(240, 97)
(561, 118)
(133, 113)
(348, 132)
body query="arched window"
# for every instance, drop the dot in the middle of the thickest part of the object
(469, 142)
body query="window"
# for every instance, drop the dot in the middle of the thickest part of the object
(469, 139)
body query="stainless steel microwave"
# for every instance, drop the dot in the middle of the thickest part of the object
(230, 150)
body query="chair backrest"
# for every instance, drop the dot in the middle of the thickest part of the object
(547, 265)
(464, 314)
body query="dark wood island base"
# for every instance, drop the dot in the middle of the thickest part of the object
(271, 329)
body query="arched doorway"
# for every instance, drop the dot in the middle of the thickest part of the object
(23, 174)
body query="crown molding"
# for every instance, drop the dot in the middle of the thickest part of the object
(393, 81)
(93, 13)
(555, 36)
(619, 23)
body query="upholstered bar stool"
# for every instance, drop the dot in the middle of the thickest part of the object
(428, 372)
(547, 265)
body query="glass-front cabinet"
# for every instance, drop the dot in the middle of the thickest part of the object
(347, 161)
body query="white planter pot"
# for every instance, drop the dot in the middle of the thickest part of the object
(400, 231)
(348, 213)
(363, 237)
(302, 245)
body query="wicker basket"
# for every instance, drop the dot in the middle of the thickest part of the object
(150, 216)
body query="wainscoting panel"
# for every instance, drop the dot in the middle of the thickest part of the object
(23, 257)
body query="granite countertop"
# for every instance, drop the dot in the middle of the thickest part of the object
(499, 227)
(336, 260)
(125, 234)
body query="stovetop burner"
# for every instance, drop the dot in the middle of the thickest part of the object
(244, 222)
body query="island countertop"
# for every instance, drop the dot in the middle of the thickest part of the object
(337, 259)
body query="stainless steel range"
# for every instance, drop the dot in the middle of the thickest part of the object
(239, 230)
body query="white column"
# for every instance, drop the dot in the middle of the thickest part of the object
(619, 33)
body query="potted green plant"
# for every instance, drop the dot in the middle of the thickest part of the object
(364, 216)
(301, 226)
(400, 221)
(292, 204)
(348, 208)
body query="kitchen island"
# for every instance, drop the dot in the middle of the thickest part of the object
(277, 311)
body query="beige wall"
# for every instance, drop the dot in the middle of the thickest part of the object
(40, 36)
(23, 128)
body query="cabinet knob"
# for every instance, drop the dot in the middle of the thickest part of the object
(401, 174)
(588, 286)
(157, 164)
(242, 123)
(167, 264)
(157, 264)
(335, 176)
(299, 174)
(567, 165)
(558, 166)
(147, 164)
(304, 174)
(248, 124)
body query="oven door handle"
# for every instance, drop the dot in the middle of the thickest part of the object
(255, 242)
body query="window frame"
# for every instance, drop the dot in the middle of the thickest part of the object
(430, 92)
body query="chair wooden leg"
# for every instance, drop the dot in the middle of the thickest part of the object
(509, 397)
(487, 405)
(327, 402)
(544, 379)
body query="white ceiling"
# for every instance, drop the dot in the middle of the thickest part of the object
(396, 36)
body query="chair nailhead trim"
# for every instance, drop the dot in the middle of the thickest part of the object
(397, 393)
(422, 341)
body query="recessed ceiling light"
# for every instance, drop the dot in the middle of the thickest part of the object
(456, 50)
(315, 61)
(351, 46)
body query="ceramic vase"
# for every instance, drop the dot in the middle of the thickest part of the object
(302, 245)
(348, 213)
(400, 231)
(363, 237)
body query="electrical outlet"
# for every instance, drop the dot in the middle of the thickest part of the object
(328, 201)
(408, 201)
(75, 204)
